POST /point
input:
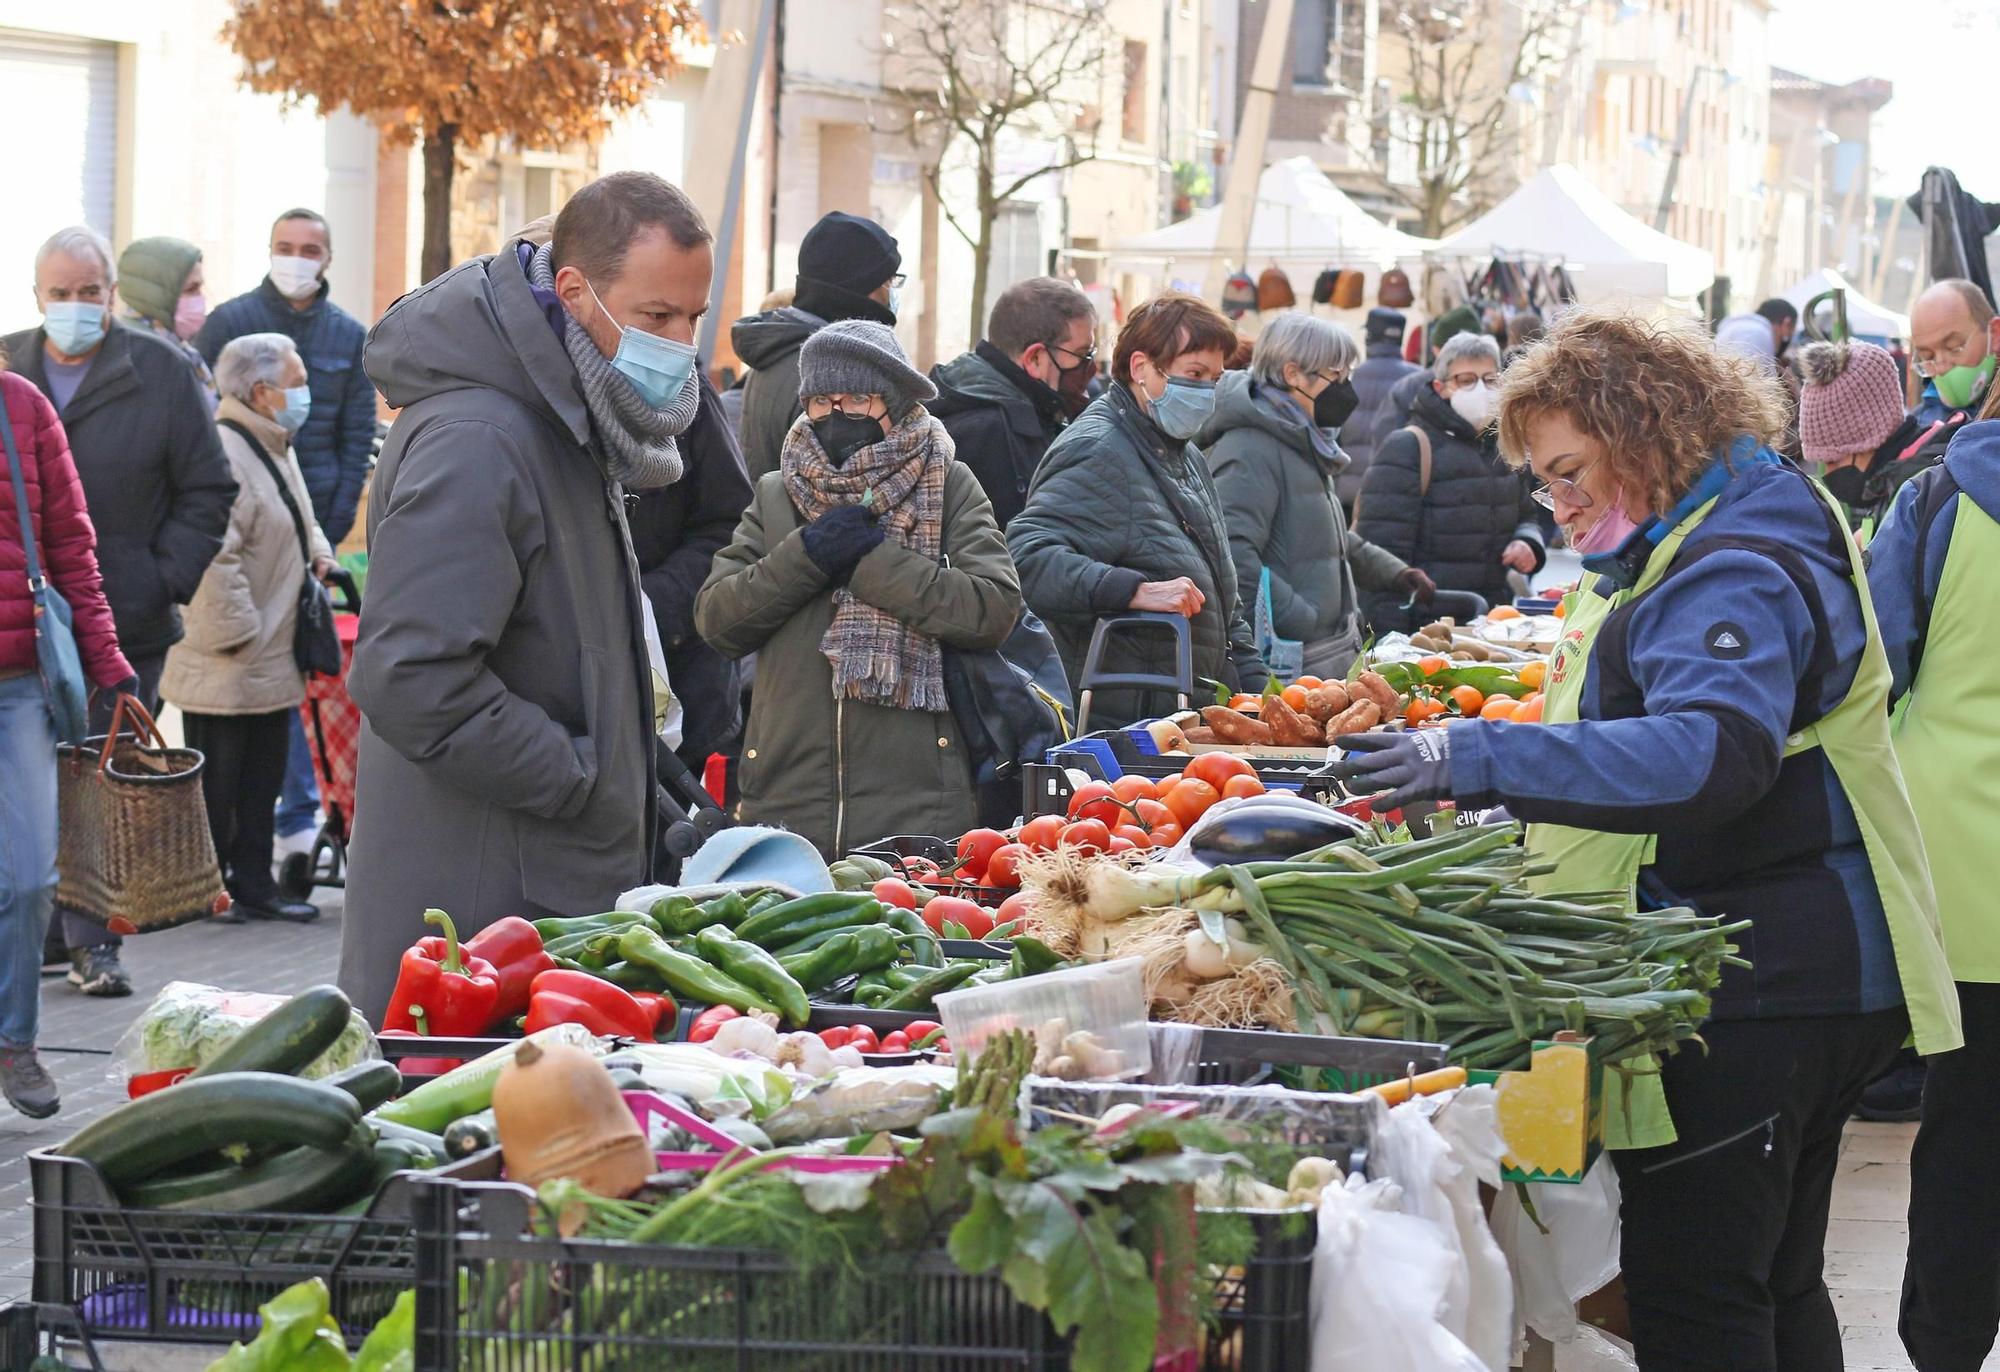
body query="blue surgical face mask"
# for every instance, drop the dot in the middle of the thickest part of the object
(1183, 407)
(896, 301)
(298, 404)
(658, 368)
(74, 326)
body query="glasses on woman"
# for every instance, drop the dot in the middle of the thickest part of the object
(820, 406)
(1565, 489)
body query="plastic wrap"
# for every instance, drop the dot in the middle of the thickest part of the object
(189, 1023)
(1176, 1053)
(1340, 1127)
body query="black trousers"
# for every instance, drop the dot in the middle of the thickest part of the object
(245, 769)
(80, 930)
(1951, 1285)
(1725, 1229)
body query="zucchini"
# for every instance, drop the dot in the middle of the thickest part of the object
(473, 1134)
(199, 1115)
(299, 1180)
(370, 1083)
(422, 1140)
(288, 1039)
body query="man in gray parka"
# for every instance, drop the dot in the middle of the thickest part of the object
(501, 668)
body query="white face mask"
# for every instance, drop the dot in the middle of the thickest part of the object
(295, 277)
(1475, 405)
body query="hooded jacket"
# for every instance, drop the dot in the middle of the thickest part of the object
(64, 542)
(237, 656)
(1475, 507)
(154, 478)
(506, 762)
(1376, 412)
(1912, 450)
(1693, 690)
(1001, 419)
(769, 344)
(846, 772)
(1277, 490)
(1115, 503)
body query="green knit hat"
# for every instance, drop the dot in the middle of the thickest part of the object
(151, 273)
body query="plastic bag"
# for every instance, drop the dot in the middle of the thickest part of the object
(1579, 1253)
(1593, 1350)
(1379, 1282)
(189, 1023)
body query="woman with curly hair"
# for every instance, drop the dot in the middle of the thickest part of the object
(1717, 737)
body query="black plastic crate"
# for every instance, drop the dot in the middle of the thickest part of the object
(105, 1271)
(753, 1311)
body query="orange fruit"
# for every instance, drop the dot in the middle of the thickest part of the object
(1421, 709)
(1431, 666)
(1238, 787)
(1241, 702)
(1500, 612)
(1468, 700)
(1190, 801)
(1533, 674)
(1530, 711)
(1294, 696)
(1499, 707)
(1311, 683)
(1562, 609)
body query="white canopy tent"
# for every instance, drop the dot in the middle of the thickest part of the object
(1302, 222)
(1561, 216)
(1864, 317)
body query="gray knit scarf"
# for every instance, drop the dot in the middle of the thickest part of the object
(635, 441)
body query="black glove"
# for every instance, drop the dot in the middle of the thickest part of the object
(1416, 762)
(1417, 583)
(840, 538)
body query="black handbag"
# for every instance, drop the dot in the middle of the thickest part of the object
(315, 645)
(1012, 703)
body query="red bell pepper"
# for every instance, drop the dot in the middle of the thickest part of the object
(440, 991)
(708, 1021)
(419, 1067)
(566, 997)
(660, 1006)
(515, 949)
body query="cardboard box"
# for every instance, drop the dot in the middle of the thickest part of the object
(1551, 1116)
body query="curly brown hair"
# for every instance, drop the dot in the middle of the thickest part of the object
(1656, 393)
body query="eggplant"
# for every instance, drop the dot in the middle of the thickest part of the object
(1268, 831)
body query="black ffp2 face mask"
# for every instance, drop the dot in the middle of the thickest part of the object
(844, 435)
(1846, 484)
(1333, 405)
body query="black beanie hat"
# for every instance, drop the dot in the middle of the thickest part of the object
(848, 252)
(1385, 326)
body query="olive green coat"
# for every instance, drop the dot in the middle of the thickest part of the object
(843, 773)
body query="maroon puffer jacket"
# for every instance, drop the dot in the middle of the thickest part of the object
(64, 540)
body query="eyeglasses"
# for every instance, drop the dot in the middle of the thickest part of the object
(1565, 489)
(1465, 380)
(822, 405)
(898, 279)
(1083, 359)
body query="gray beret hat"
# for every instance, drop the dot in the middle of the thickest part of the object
(862, 357)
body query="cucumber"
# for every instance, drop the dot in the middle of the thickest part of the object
(370, 1083)
(154, 1133)
(289, 1038)
(299, 1180)
(473, 1134)
(422, 1140)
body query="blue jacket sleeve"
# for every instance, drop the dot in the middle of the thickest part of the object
(1902, 591)
(1717, 653)
(353, 442)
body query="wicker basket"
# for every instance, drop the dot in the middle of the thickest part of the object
(135, 849)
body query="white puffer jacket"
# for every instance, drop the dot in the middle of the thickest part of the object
(237, 656)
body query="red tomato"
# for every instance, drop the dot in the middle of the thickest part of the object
(1005, 867)
(896, 1041)
(1165, 835)
(1086, 835)
(1166, 784)
(1131, 788)
(975, 849)
(1015, 907)
(837, 1037)
(895, 891)
(956, 910)
(862, 1039)
(979, 921)
(1121, 844)
(920, 869)
(1191, 799)
(1152, 814)
(1217, 768)
(1131, 835)
(1039, 834)
(1094, 800)
(1237, 788)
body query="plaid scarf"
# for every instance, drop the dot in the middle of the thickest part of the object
(876, 657)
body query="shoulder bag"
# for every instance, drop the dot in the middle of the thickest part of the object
(56, 656)
(315, 645)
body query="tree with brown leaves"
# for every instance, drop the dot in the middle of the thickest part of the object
(541, 72)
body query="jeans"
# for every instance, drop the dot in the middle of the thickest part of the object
(1951, 1286)
(239, 785)
(80, 931)
(298, 802)
(27, 852)
(1724, 1230)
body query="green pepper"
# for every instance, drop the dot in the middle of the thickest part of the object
(688, 976)
(844, 953)
(1032, 957)
(794, 919)
(906, 974)
(925, 947)
(553, 929)
(592, 952)
(676, 915)
(769, 900)
(756, 969)
(872, 990)
(991, 976)
(629, 975)
(918, 997)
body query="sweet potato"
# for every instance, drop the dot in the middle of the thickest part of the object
(1357, 718)
(1234, 727)
(1289, 728)
(1324, 702)
(1381, 692)
(1201, 733)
